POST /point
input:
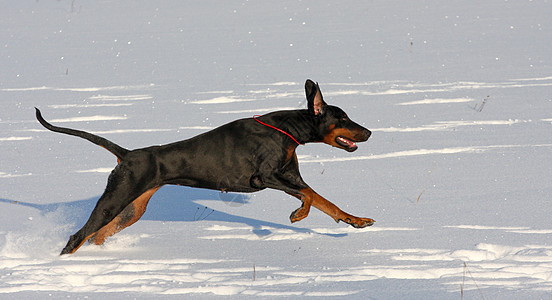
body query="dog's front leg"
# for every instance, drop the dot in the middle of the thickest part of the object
(311, 198)
(303, 211)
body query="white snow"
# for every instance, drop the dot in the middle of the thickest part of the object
(220, 100)
(456, 174)
(438, 100)
(88, 119)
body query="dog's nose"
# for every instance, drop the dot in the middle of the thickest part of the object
(363, 135)
(368, 133)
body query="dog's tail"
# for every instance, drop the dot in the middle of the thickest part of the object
(117, 150)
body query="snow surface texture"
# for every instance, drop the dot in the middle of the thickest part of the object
(456, 174)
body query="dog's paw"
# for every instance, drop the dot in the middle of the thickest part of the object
(359, 222)
(299, 214)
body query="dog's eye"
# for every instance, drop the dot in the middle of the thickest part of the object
(344, 118)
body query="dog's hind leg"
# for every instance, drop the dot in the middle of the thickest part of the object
(104, 212)
(132, 213)
(113, 212)
(122, 204)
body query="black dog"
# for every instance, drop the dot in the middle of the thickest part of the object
(246, 155)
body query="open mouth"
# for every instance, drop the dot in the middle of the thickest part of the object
(346, 143)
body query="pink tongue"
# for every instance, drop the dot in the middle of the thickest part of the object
(348, 142)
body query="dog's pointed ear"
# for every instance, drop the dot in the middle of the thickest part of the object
(315, 101)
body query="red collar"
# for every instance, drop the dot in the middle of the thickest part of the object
(280, 130)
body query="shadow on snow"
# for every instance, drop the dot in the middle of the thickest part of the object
(174, 203)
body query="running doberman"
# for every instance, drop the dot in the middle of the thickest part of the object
(246, 155)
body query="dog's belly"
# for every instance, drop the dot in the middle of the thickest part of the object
(223, 184)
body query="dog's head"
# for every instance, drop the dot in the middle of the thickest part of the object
(334, 125)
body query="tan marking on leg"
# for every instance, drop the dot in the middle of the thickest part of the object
(303, 211)
(132, 213)
(310, 197)
(83, 241)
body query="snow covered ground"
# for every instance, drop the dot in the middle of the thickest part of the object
(456, 174)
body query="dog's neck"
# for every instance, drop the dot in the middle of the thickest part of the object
(301, 124)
